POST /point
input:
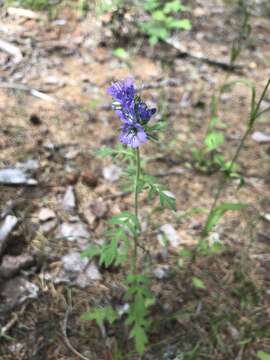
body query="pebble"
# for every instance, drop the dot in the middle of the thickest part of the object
(260, 137)
(69, 199)
(46, 214)
(74, 230)
(161, 272)
(170, 234)
(112, 173)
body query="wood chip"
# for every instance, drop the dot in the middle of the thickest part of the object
(12, 50)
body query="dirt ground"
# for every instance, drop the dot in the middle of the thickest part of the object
(55, 110)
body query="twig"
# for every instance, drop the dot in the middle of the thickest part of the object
(67, 342)
(31, 91)
(116, 195)
(183, 53)
(26, 88)
(8, 326)
(163, 83)
(171, 173)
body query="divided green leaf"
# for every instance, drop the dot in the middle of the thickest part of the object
(218, 212)
(100, 315)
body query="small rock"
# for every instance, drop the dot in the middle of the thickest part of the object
(252, 65)
(168, 233)
(91, 273)
(266, 216)
(199, 12)
(69, 199)
(47, 226)
(46, 214)
(123, 309)
(14, 176)
(16, 348)
(112, 173)
(260, 137)
(6, 227)
(98, 208)
(16, 291)
(79, 270)
(50, 146)
(214, 238)
(73, 262)
(28, 165)
(74, 231)
(161, 272)
(71, 154)
(89, 178)
(13, 264)
(233, 331)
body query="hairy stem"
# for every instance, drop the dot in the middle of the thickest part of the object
(136, 207)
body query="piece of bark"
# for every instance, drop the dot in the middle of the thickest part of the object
(6, 227)
(11, 265)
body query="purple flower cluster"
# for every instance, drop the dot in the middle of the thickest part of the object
(132, 111)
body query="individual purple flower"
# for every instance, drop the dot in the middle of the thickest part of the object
(123, 92)
(132, 111)
(133, 135)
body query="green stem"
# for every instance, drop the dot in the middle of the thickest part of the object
(136, 207)
(254, 114)
(224, 181)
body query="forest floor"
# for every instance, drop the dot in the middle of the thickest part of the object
(55, 114)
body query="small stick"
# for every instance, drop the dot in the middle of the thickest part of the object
(9, 325)
(67, 342)
(183, 53)
(116, 195)
(26, 88)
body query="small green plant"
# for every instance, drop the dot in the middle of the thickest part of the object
(217, 211)
(162, 19)
(124, 235)
(209, 157)
(100, 315)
